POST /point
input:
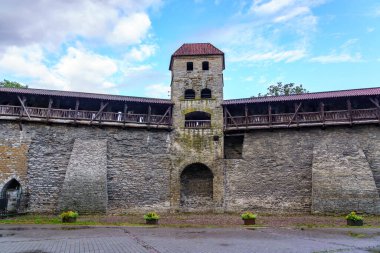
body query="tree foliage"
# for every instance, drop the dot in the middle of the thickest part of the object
(11, 84)
(284, 89)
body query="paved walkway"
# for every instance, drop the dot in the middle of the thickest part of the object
(48, 239)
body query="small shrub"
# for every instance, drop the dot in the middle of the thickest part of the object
(68, 214)
(354, 217)
(248, 216)
(151, 216)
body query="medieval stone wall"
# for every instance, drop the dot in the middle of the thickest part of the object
(39, 156)
(335, 170)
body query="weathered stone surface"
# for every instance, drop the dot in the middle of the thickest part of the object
(85, 185)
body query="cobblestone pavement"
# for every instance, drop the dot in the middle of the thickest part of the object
(48, 239)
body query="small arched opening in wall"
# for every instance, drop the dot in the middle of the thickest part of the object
(189, 94)
(198, 119)
(11, 196)
(196, 188)
(206, 93)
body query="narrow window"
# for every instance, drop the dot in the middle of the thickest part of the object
(189, 94)
(205, 65)
(206, 93)
(189, 66)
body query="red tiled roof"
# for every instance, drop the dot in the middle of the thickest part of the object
(306, 96)
(75, 94)
(190, 49)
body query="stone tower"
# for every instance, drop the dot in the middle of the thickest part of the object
(197, 94)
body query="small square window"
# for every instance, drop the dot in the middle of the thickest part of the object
(205, 65)
(189, 66)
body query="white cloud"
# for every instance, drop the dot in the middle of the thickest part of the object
(141, 53)
(130, 30)
(337, 58)
(78, 70)
(276, 56)
(158, 91)
(270, 7)
(292, 14)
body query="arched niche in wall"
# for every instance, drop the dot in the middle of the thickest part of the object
(196, 187)
(11, 195)
(198, 119)
(205, 93)
(189, 94)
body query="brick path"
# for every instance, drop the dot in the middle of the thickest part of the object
(49, 239)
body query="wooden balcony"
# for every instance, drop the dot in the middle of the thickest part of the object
(303, 119)
(84, 117)
(197, 124)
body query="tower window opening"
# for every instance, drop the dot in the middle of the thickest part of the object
(189, 94)
(205, 65)
(206, 93)
(189, 66)
(198, 119)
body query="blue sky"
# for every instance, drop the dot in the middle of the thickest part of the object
(124, 46)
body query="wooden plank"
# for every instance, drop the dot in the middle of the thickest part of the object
(149, 113)
(102, 107)
(49, 109)
(246, 115)
(376, 103)
(125, 113)
(225, 117)
(322, 105)
(23, 106)
(233, 121)
(167, 112)
(295, 114)
(270, 115)
(349, 108)
(76, 110)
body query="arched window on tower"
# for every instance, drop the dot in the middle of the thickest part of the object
(205, 65)
(198, 119)
(206, 93)
(189, 94)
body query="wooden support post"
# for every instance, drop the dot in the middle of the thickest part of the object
(149, 113)
(170, 116)
(225, 117)
(233, 121)
(270, 115)
(322, 105)
(102, 107)
(376, 103)
(295, 114)
(48, 114)
(246, 115)
(162, 118)
(22, 101)
(76, 111)
(125, 113)
(349, 108)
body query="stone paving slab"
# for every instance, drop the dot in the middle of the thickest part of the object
(51, 239)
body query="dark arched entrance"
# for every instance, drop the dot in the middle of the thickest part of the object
(12, 193)
(196, 188)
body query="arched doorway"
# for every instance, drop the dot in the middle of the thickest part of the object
(196, 188)
(12, 193)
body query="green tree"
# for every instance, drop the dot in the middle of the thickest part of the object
(11, 84)
(284, 89)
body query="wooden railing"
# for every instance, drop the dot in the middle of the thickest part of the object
(303, 119)
(66, 114)
(197, 123)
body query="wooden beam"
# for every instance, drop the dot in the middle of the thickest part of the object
(349, 108)
(376, 103)
(149, 113)
(125, 113)
(295, 113)
(23, 106)
(102, 107)
(76, 110)
(225, 117)
(162, 118)
(246, 115)
(322, 105)
(270, 115)
(49, 109)
(233, 121)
